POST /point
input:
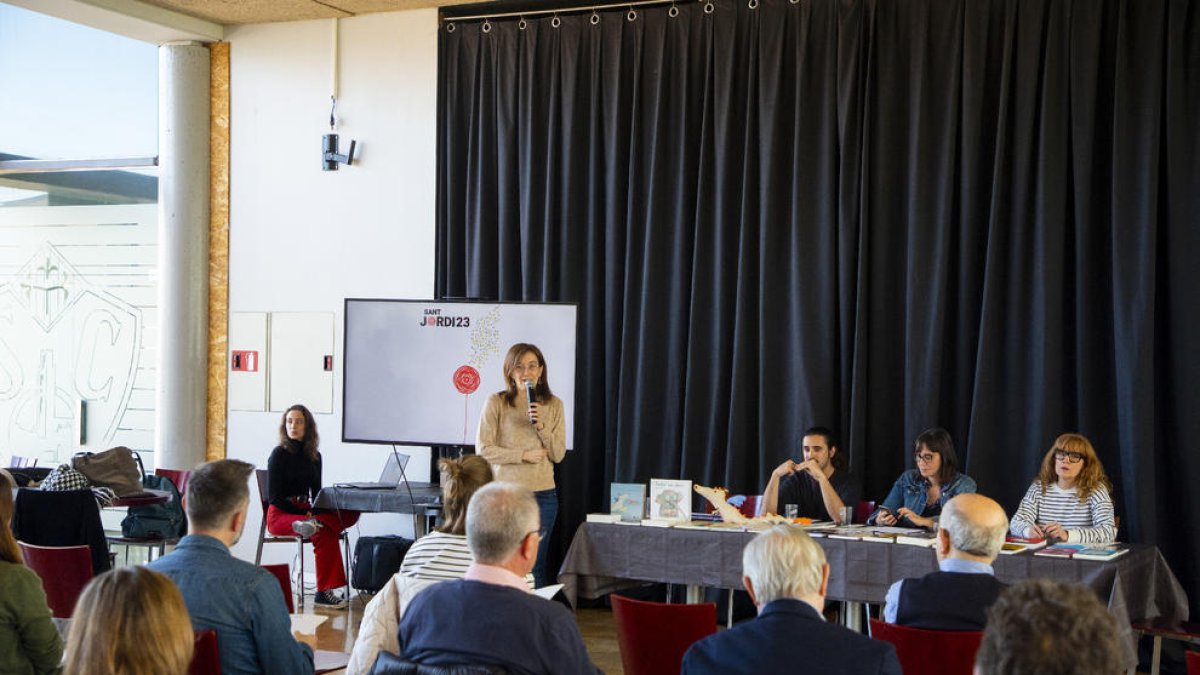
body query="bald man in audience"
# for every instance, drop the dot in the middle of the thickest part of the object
(786, 575)
(489, 617)
(1045, 626)
(970, 533)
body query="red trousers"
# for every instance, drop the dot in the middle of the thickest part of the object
(330, 573)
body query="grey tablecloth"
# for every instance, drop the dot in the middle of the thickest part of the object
(606, 557)
(424, 496)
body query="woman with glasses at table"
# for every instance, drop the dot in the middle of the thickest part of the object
(918, 495)
(523, 440)
(1069, 500)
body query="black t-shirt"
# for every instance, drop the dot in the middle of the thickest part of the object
(804, 491)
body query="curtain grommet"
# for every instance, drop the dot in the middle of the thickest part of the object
(450, 27)
(673, 12)
(595, 18)
(486, 26)
(555, 22)
(752, 4)
(522, 24)
(708, 8)
(631, 16)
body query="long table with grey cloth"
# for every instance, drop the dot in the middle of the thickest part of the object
(423, 502)
(608, 557)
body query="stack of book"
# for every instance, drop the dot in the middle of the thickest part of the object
(1060, 550)
(1013, 545)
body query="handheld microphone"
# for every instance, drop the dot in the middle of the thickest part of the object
(529, 395)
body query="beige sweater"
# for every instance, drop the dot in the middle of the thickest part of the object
(505, 434)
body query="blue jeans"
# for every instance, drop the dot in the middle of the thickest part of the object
(548, 508)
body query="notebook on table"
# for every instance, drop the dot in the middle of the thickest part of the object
(389, 478)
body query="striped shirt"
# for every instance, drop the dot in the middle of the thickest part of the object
(1089, 522)
(439, 556)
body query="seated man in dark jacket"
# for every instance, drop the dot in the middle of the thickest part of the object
(956, 597)
(787, 577)
(489, 616)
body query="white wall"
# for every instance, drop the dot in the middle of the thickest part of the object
(304, 240)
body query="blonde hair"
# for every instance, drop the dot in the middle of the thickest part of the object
(460, 479)
(783, 562)
(9, 551)
(130, 621)
(1091, 477)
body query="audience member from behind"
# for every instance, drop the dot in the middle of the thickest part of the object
(820, 486)
(785, 573)
(1045, 626)
(957, 596)
(241, 601)
(490, 617)
(129, 621)
(29, 643)
(1069, 500)
(918, 495)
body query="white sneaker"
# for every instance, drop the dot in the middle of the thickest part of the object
(305, 528)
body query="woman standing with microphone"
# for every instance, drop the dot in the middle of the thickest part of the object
(521, 432)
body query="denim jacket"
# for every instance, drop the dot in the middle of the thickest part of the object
(242, 601)
(911, 490)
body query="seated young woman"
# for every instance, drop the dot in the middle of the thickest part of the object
(29, 642)
(917, 497)
(1069, 500)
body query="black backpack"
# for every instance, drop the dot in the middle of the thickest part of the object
(156, 521)
(376, 559)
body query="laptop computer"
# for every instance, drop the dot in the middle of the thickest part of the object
(389, 478)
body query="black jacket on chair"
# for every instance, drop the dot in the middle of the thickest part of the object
(67, 518)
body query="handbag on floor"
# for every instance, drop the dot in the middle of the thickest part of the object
(376, 559)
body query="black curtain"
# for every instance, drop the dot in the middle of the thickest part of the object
(875, 215)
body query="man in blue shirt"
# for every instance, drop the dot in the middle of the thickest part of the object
(956, 597)
(241, 601)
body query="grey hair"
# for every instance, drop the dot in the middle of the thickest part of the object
(499, 516)
(783, 562)
(971, 537)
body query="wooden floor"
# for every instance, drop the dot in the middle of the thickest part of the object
(337, 633)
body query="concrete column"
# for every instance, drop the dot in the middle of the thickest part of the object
(183, 190)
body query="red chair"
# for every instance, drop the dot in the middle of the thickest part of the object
(749, 508)
(206, 658)
(1159, 629)
(863, 510)
(177, 476)
(932, 652)
(64, 571)
(1193, 663)
(281, 573)
(653, 636)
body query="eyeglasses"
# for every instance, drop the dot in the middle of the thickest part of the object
(924, 458)
(1071, 457)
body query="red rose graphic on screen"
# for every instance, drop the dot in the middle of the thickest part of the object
(466, 380)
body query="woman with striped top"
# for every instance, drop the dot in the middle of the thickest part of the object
(443, 553)
(1069, 500)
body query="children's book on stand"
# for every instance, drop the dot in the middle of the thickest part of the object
(1013, 545)
(670, 500)
(628, 501)
(1060, 550)
(1104, 552)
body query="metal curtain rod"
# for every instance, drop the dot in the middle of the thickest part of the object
(567, 10)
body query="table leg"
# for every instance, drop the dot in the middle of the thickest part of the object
(695, 594)
(852, 615)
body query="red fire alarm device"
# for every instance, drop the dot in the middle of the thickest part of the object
(245, 361)
(328, 363)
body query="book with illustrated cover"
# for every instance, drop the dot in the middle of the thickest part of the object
(1013, 545)
(670, 500)
(628, 500)
(1060, 550)
(1105, 552)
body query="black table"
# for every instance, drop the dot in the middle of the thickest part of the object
(607, 557)
(424, 502)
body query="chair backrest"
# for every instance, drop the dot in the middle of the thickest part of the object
(653, 636)
(283, 575)
(206, 659)
(263, 486)
(863, 510)
(930, 651)
(64, 571)
(1193, 663)
(389, 664)
(749, 508)
(177, 476)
